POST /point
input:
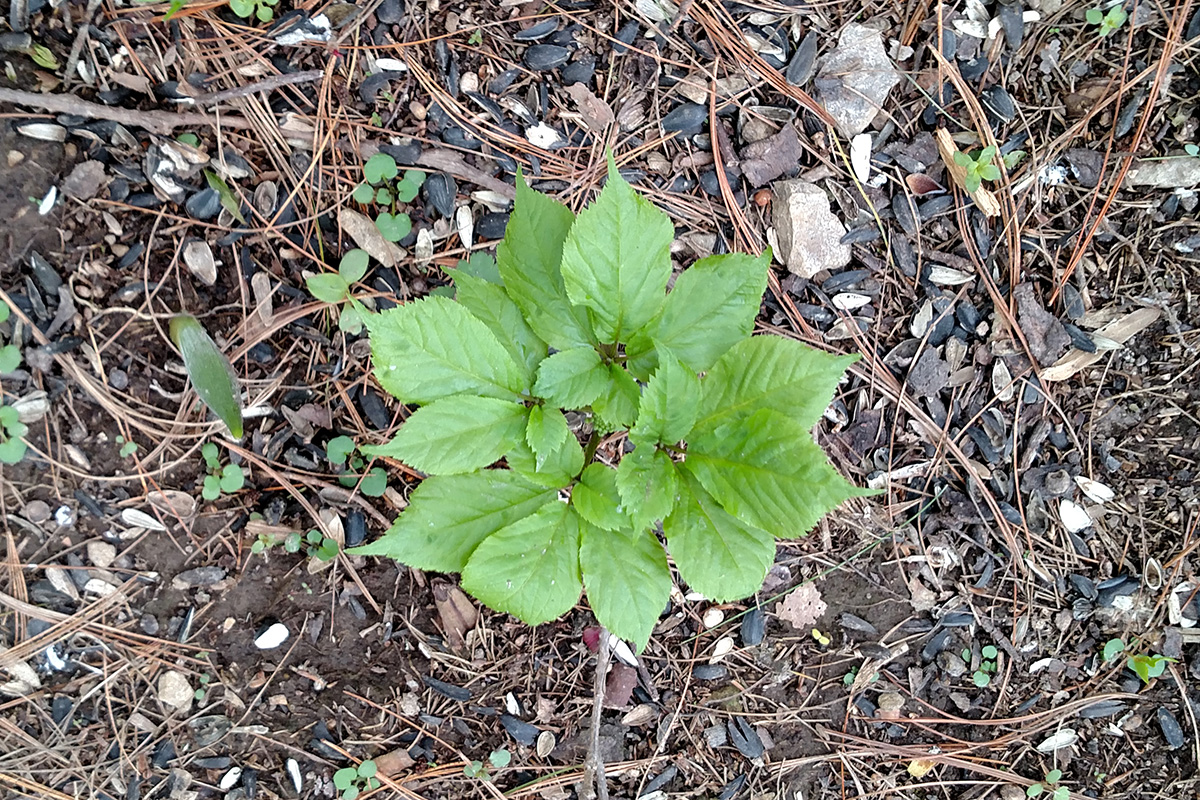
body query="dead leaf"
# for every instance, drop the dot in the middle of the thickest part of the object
(456, 612)
(595, 112)
(621, 680)
(984, 199)
(362, 230)
(393, 763)
(1046, 336)
(802, 607)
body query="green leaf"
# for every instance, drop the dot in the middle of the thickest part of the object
(5, 311)
(456, 435)
(986, 155)
(229, 200)
(448, 516)
(560, 468)
(597, 500)
(1062, 793)
(12, 449)
(212, 487)
(210, 454)
(711, 308)
(393, 227)
(209, 370)
(339, 449)
(500, 758)
(571, 378)
(491, 304)
(350, 793)
(981, 679)
(1054, 776)
(264, 13)
(667, 410)
(232, 479)
(432, 348)
(627, 578)
(328, 287)
(971, 181)
(717, 554)
(618, 403)
(989, 651)
(344, 777)
(374, 483)
(379, 168)
(1094, 16)
(770, 372)
(10, 356)
(350, 320)
(383, 196)
(989, 172)
(529, 260)
(962, 159)
(243, 8)
(353, 265)
(364, 193)
(42, 56)
(617, 258)
(479, 265)
(767, 471)
(646, 481)
(546, 432)
(406, 190)
(367, 769)
(531, 568)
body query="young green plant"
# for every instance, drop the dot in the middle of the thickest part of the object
(499, 759)
(334, 287)
(352, 781)
(10, 354)
(12, 446)
(979, 167)
(577, 328)
(1107, 22)
(1145, 666)
(262, 10)
(340, 452)
(1050, 784)
(227, 479)
(982, 677)
(381, 187)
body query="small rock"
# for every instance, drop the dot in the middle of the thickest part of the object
(85, 180)
(37, 512)
(809, 234)
(200, 576)
(174, 691)
(855, 79)
(1166, 173)
(101, 554)
(953, 665)
(271, 635)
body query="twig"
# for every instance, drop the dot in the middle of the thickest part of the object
(595, 787)
(161, 122)
(265, 85)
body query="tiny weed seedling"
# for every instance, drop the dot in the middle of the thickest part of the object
(1050, 784)
(352, 781)
(10, 354)
(381, 187)
(202, 691)
(1192, 149)
(1107, 22)
(982, 677)
(314, 544)
(979, 167)
(127, 446)
(262, 10)
(1147, 667)
(577, 320)
(227, 479)
(12, 446)
(498, 759)
(334, 287)
(340, 452)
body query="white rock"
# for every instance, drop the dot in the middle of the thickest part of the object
(860, 156)
(809, 233)
(855, 78)
(174, 691)
(101, 554)
(272, 636)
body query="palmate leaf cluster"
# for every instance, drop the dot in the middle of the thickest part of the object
(578, 319)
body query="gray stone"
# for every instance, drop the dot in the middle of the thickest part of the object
(809, 233)
(174, 691)
(1167, 173)
(855, 78)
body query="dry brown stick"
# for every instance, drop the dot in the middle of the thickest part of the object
(595, 786)
(265, 85)
(161, 122)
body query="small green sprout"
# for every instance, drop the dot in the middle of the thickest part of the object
(476, 37)
(10, 354)
(979, 167)
(982, 677)
(1146, 666)
(1109, 22)
(263, 10)
(128, 447)
(227, 479)
(202, 692)
(352, 781)
(1192, 149)
(341, 452)
(498, 759)
(12, 447)
(1050, 783)
(379, 172)
(334, 287)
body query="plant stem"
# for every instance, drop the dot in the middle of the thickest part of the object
(595, 787)
(589, 450)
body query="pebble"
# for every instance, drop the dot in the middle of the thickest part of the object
(37, 511)
(200, 576)
(271, 635)
(952, 664)
(174, 691)
(101, 554)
